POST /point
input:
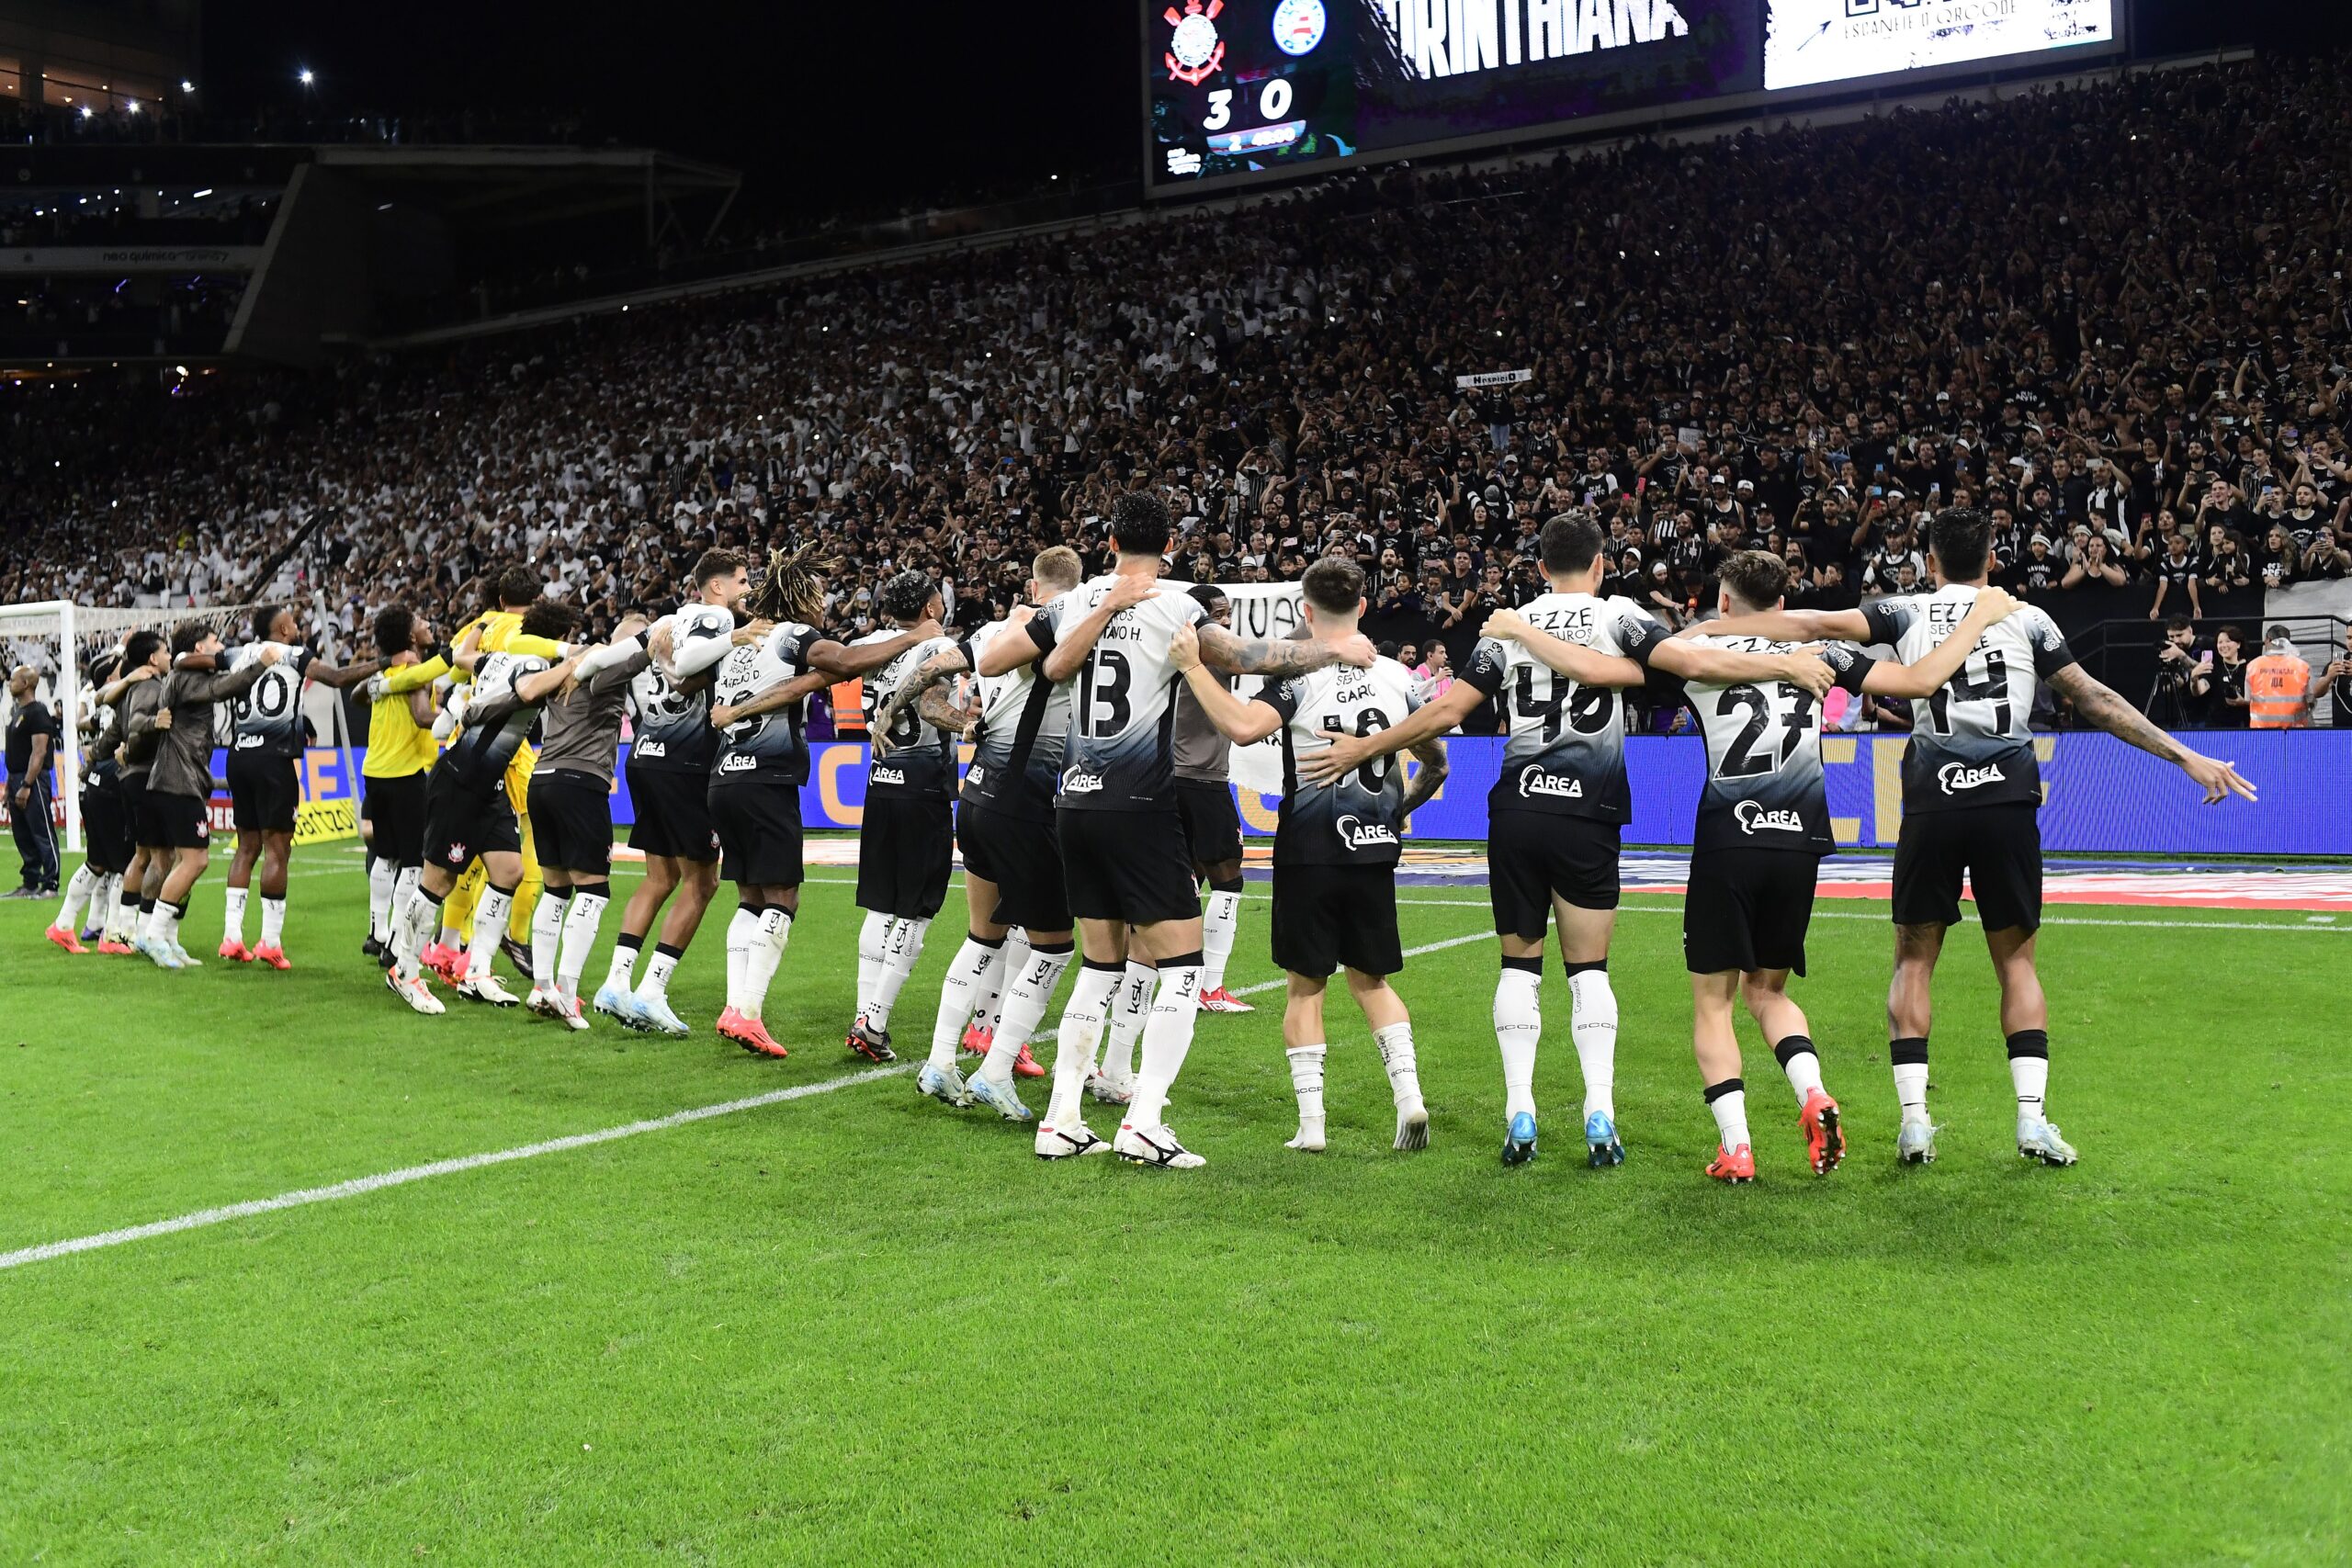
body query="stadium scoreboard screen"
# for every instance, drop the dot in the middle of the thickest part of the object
(1252, 87)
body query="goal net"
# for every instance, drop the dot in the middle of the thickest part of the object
(71, 649)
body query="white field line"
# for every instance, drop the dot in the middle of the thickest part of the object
(360, 1187)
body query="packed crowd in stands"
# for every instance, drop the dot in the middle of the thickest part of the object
(2115, 318)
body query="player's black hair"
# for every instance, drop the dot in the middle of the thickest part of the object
(716, 564)
(518, 586)
(905, 596)
(1334, 585)
(793, 587)
(1757, 579)
(1140, 524)
(550, 618)
(1208, 595)
(264, 617)
(140, 648)
(186, 634)
(1570, 541)
(1961, 540)
(395, 630)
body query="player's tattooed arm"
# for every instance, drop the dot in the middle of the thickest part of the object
(940, 711)
(2098, 704)
(1238, 721)
(783, 693)
(1428, 778)
(1427, 722)
(1887, 678)
(938, 668)
(1279, 657)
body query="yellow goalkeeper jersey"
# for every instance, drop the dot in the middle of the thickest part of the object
(398, 745)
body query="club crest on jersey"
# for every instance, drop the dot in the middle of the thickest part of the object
(1755, 818)
(1957, 776)
(885, 776)
(1359, 834)
(1079, 781)
(1534, 780)
(741, 763)
(457, 855)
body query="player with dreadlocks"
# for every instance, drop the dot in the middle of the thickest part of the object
(762, 762)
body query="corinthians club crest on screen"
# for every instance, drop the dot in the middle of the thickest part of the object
(1193, 49)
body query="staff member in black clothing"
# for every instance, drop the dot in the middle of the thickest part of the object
(32, 742)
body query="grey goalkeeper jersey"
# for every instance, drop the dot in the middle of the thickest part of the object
(582, 733)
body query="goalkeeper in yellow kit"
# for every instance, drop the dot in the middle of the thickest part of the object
(517, 587)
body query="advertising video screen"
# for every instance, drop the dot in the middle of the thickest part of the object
(1809, 42)
(1245, 85)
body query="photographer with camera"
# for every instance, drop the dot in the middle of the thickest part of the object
(2182, 695)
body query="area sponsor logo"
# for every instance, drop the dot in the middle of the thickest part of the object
(1359, 834)
(651, 749)
(1079, 782)
(739, 762)
(1957, 776)
(1534, 780)
(1753, 818)
(887, 776)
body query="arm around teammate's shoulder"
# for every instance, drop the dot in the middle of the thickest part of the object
(1427, 722)
(1930, 674)
(1238, 721)
(1787, 625)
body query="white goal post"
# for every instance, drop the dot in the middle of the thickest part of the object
(57, 639)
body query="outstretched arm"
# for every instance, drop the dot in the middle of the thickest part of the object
(341, 675)
(1789, 626)
(843, 662)
(1887, 678)
(1220, 649)
(1238, 721)
(2098, 703)
(1429, 721)
(1727, 667)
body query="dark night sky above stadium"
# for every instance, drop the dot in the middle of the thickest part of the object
(833, 101)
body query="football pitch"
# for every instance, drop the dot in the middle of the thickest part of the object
(852, 1325)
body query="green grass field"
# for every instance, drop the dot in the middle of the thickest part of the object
(859, 1327)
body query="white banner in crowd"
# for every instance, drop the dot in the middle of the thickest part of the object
(1493, 379)
(2316, 613)
(1273, 610)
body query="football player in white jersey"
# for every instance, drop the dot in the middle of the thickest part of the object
(906, 845)
(1123, 855)
(1013, 868)
(1971, 787)
(1336, 845)
(763, 760)
(1762, 828)
(1555, 812)
(264, 754)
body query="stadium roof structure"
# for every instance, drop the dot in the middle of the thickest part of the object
(344, 228)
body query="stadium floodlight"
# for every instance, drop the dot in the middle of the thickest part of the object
(199, 195)
(186, 85)
(304, 76)
(131, 105)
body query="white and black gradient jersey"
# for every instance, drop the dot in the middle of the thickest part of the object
(1970, 743)
(672, 728)
(1024, 720)
(921, 762)
(1359, 817)
(268, 718)
(1123, 707)
(1765, 789)
(497, 720)
(1565, 753)
(766, 747)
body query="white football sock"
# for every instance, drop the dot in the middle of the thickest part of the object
(1728, 1100)
(79, 889)
(1016, 959)
(414, 919)
(1395, 1045)
(1024, 1010)
(122, 920)
(658, 970)
(232, 916)
(547, 936)
(1910, 1077)
(403, 886)
(580, 923)
(1800, 1063)
(742, 928)
(1306, 1082)
(171, 915)
(899, 960)
(873, 947)
(490, 924)
(1082, 1029)
(451, 938)
(1593, 1020)
(273, 922)
(618, 972)
(381, 876)
(2030, 1076)
(1519, 1029)
(1167, 1039)
(1219, 925)
(768, 938)
(974, 969)
(1129, 1008)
